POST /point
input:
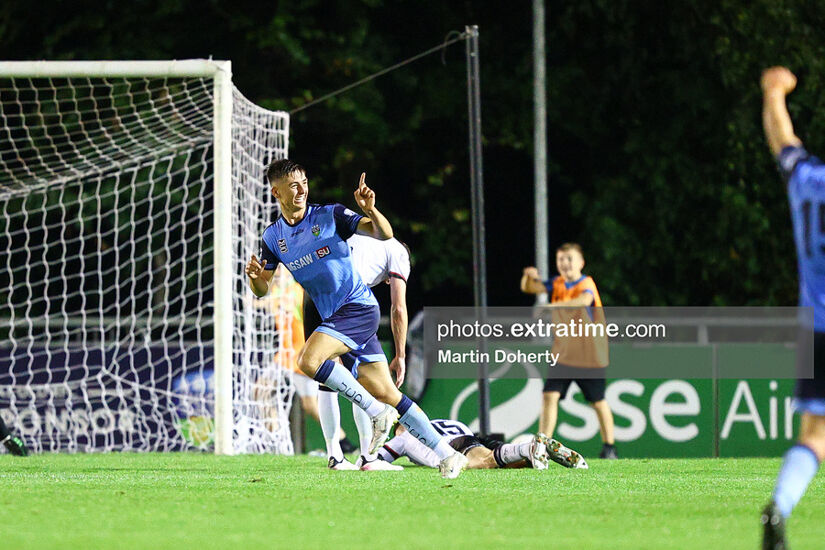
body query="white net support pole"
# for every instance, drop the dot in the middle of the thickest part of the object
(223, 249)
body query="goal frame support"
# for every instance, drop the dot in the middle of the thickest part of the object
(221, 74)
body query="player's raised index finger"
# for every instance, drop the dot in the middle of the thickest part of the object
(362, 182)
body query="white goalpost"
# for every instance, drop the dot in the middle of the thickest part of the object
(132, 193)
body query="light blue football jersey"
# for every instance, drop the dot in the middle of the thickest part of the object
(316, 252)
(805, 175)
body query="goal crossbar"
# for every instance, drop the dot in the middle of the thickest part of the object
(195, 68)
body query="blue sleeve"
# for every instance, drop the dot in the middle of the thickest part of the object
(346, 221)
(804, 174)
(788, 158)
(548, 284)
(267, 257)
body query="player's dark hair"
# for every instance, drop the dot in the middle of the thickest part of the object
(282, 168)
(571, 246)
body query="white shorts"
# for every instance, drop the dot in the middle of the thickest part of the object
(304, 385)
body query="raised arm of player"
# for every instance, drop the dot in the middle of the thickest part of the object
(398, 323)
(531, 283)
(259, 278)
(777, 83)
(375, 224)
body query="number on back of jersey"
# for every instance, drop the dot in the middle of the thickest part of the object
(451, 428)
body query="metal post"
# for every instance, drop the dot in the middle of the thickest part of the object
(477, 186)
(540, 144)
(223, 266)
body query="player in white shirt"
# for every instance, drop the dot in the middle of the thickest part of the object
(376, 262)
(387, 261)
(481, 455)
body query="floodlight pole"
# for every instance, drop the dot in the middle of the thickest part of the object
(540, 144)
(477, 190)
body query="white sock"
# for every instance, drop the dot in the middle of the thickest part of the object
(330, 415)
(374, 409)
(510, 452)
(443, 449)
(364, 425)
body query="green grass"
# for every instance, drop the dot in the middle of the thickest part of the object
(203, 501)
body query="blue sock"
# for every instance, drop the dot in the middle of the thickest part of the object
(417, 423)
(340, 379)
(797, 471)
(404, 405)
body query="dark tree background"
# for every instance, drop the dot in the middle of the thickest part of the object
(658, 164)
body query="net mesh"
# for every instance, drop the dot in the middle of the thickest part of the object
(106, 285)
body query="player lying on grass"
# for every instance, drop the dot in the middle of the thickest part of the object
(481, 455)
(310, 240)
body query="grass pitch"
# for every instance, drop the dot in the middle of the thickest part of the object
(203, 501)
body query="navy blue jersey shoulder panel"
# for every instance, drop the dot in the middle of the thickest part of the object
(346, 221)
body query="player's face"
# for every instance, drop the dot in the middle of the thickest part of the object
(570, 264)
(292, 191)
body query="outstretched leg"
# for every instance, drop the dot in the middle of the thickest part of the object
(315, 360)
(376, 378)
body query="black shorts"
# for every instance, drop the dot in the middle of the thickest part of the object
(807, 388)
(592, 388)
(464, 443)
(312, 319)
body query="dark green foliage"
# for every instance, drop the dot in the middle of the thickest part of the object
(658, 165)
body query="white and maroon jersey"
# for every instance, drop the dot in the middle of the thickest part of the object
(376, 261)
(418, 453)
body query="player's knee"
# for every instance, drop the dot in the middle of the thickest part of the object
(308, 363)
(302, 361)
(816, 444)
(551, 397)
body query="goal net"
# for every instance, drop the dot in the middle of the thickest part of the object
(131, 196)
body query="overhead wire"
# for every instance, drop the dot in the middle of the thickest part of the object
(447, 42)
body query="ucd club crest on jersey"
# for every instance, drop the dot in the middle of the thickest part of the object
(316, 230)
(282, 245)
